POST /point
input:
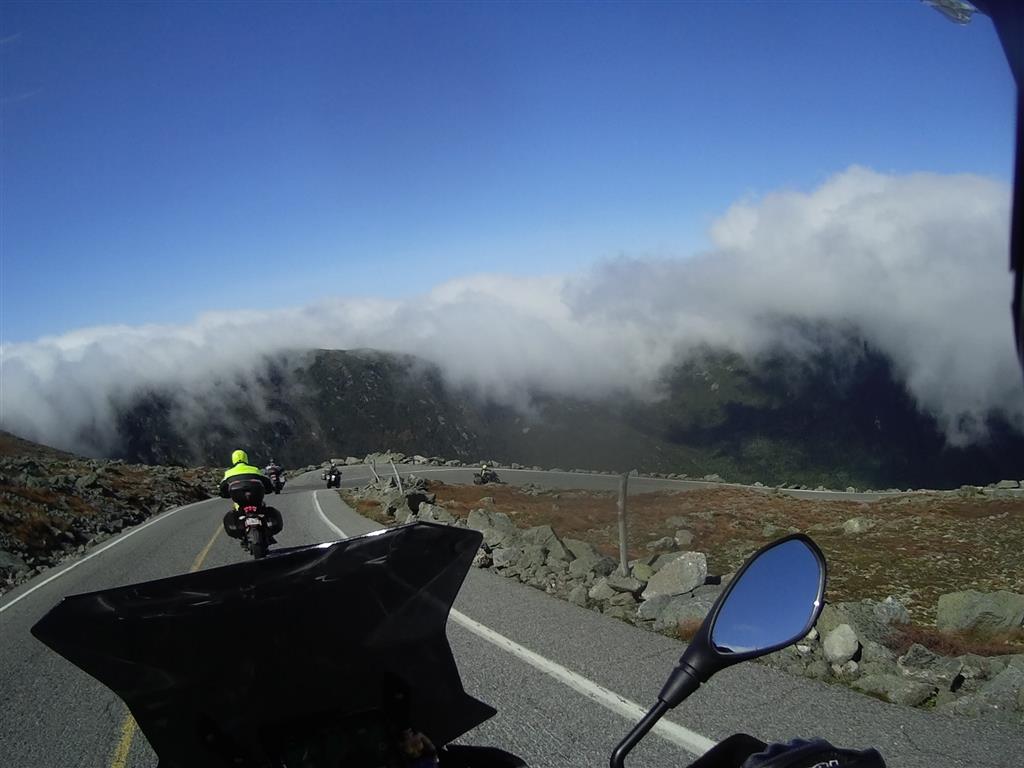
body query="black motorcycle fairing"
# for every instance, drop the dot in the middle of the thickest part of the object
(220, 667)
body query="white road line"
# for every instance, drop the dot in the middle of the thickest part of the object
(320, 511)
(683, 737)
(100, 551)
(691, 741)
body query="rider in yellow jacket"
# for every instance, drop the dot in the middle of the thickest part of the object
(241, 469)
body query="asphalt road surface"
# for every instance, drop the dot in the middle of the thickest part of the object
(564, 680)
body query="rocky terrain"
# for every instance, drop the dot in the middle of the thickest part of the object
(919, 643)
(54, 505)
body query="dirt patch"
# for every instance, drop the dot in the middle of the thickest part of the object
(914, 547)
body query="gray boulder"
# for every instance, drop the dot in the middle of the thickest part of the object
(545, 536)
(1006, 690)
(650, 610)
(870, 619)
(621, 583)
(896, 688)
(684, 608)
(623, 599)
(10, 561)
(980, 611)
(1001, 698)
(578, 595)
(641, 572)
(975, 670)
(587, 559)
(434, 513)
(601, 591)
(922, 664)
(657, 562)
(858, 525)
(496, 527)
(504, 557)
(876, 659)
(683, 574)
(841, 644)
(534, 556)
(664, 544)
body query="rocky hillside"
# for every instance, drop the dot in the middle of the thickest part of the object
(838, 417)
(54, 505)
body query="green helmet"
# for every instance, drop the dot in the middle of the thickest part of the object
(239, 457)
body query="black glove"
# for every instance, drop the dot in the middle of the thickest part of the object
(816, 753)
(743, 751)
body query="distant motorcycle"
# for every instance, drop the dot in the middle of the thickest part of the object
(333, 477)
(276, 477)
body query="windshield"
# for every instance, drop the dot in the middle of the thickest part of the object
(313, 646)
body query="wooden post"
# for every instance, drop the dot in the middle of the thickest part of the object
(398, 477)
(373, 469)
(623, 557)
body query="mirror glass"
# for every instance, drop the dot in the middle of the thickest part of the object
(773, 601)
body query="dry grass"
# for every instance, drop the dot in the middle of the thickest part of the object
(687, 629)
(956, 643)
(919, 546)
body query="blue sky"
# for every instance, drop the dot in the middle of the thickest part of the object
(159, 160)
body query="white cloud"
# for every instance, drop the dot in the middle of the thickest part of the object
(917, 262)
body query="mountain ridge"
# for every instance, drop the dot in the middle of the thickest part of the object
(837, 416)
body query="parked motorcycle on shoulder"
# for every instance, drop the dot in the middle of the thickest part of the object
(486, 475)
(356, 687)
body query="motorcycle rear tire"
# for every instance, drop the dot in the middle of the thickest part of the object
(257, 544)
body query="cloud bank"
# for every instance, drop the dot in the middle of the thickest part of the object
(917, 263)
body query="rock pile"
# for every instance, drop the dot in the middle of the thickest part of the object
(849, 646)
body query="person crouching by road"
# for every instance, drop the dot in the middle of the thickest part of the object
(241, 469)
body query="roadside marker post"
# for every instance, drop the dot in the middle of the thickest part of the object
(623, 556)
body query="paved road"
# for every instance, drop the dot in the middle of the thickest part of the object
(55, 716)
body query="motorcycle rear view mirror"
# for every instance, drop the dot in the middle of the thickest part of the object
(773, 601)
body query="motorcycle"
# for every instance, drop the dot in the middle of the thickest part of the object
(351, 687)
(485, 476)
(333, 477)
(277, 478)
(251, 516)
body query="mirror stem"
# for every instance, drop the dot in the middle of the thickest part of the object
(639, 731)
(681, 683)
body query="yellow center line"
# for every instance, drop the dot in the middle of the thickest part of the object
(128, 727)
(198, 562)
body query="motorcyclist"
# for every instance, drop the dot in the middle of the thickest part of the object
(241, 469)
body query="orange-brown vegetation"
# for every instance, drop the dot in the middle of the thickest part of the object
(917, 547)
